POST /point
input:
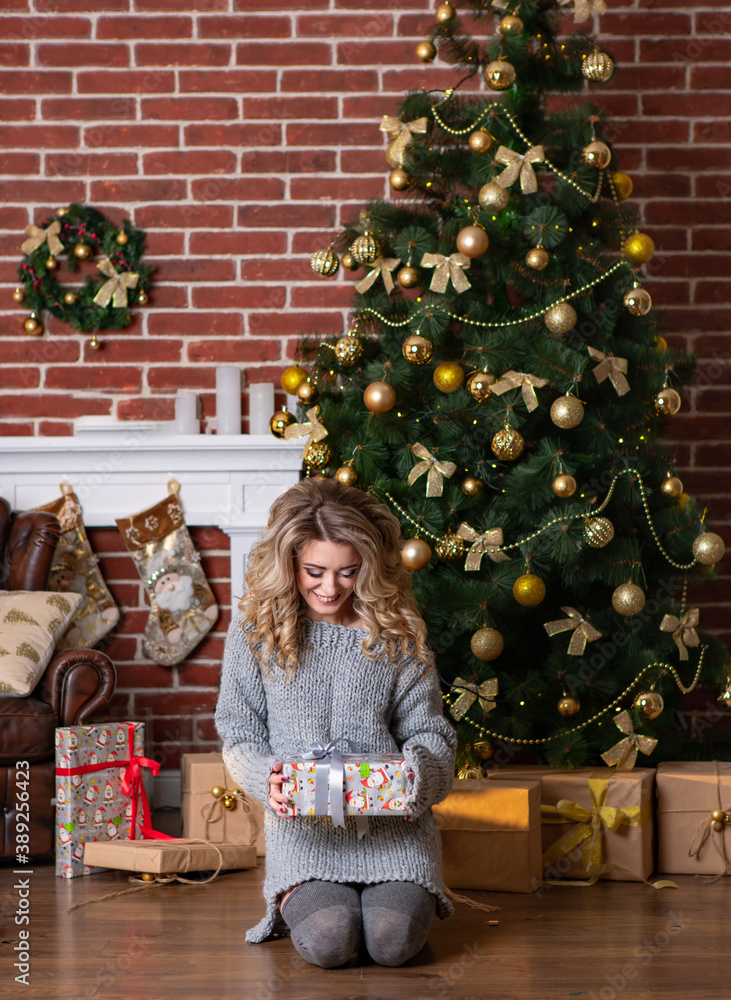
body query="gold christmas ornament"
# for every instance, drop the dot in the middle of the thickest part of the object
(445, 13)
(365, 249)
(399, 179)
(480, 141)
(69, 298)
(449, 376)
(228, 802)
(94, 344)
(147, 877)
(122, 238)
(487, 644)
(560, 318)
(484, 749)
(529, 590)
(62, 211)
(467, 771)
(82, 251)
(51, 264)
(280, 422)
(217, 792)
(568, 706)
(567, 412)
(316, 455)
(598, 532)
(291, 379)
(662, 344)
(408, 277)
(508, 444)
(472, 241)
(493, 198)
(668, 401)
(709, 548)
(511, 25)
(32, 326)
(537, 258)
(597, 154)
(325, 262)
(622, 185)
(143, 298)
(724, 696)
(499, 75)
(379, 397)
(417, 349)
(348, 349)
(478, 385)
(649, 704)
(349, 262)
(639, 248)
(597, 66)
(472, 486)
(637, 301)
(347, 475)
(671, 486)
(564, 485)
(425, 51)
(18, 295)
(450, 547)
(628, 599)
(415, 553)
(307, 392)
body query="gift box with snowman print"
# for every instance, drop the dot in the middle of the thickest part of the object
(99, 791)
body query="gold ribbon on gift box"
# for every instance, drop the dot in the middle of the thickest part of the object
(435, 470)
(487, 543)
(519, 165)
(402, 133)
(382, 266)
(683, 630)
(609, 367)
(527, 383)
(313, 427)
(446, 268)
(114, 290)
(37, 237)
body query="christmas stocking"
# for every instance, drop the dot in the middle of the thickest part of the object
(75, 569)
(182, 606)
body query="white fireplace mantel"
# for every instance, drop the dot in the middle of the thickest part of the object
(227, 481)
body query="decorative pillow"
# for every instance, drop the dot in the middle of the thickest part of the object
(30, 623)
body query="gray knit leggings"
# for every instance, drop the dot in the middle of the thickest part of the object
(329, 921)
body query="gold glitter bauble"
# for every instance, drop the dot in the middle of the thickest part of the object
(668, 401)
(649, 703)
(348, 349)
(417, 349)
(622, 185)
(597, 154)
(122, 238)
(563, 485)
(425, 52)
(347, 475)
(484, 749)
(567, 412)
(487, 644)
(560, 318)
(349, 262)
(143, 298)
(493, 198)
(638, 301)
(529, 590)
(365, 249)
(472, 486)
(280, 422)
(449, 376)
(32, 326)
(708, 548)
(307, 392)
(325, 262)
(415, 553)
(507, 444)
(628, 599)
(480, 141)
(597, 66)
(499, 75)
(639, 248)
(18, 295)
(69, 298)
(598, 532)
(399, 179)
(316, 455)
(445, 13)
(511, 25)
(408, 277)
(478, 385)
(379, 397)
(291, 378)
(671, 486)
(472, 241)
(568, 706)
(51, 263)
(82, 251)
(450, 547)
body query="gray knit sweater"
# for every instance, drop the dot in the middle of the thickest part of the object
(336, 691)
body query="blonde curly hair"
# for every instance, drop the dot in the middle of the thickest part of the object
(275, 617)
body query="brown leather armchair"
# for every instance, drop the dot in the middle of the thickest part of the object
(75, 683)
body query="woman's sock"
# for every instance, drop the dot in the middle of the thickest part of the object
(325, 921)
(396, 920)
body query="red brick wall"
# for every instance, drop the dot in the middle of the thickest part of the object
(240, 135)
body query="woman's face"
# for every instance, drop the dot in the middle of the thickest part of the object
(326, 575)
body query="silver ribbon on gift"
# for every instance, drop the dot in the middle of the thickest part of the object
(330, 777)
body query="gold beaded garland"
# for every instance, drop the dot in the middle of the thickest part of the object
(415, 553)
(325, 262)
(379, 397)
(639, 248)
(487, 644)
(507, 444)
(499, 74)
(280, 422)
(449, 376)
(598, 532)
(668, 401)
(408, 277)
(567, 412)
(628, 599)
(649, 704)
(478, 385)
(708, 548)
(537, 258)
(560, 318)
(529, 590)
(480, 141)
(493, 198)
(348, 349)
(638, 301)
(472, 241)
(564, 485)
(425, 51)
(417, 349)
(597, 154)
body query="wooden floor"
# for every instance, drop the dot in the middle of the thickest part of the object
(178, 942)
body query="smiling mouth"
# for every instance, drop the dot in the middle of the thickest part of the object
(327, 600)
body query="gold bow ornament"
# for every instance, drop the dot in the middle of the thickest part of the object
(519, 164)
(527, 383)
(487, 543)
(612, 368)
(114, 290)
(624, 753)
(401, 133)
(435, 470)
(313, 427)
(683, 629)
(469, 693)
(37, 237)
(445, 268)
(583, 630)
(382, 266)
(582, 8)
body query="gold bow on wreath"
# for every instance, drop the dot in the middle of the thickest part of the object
(624, 753)
(582, 8)
(382, 266)
(487, 543)
(37, 237)
(114, 290)
(528, 385)
(519, 164)
(610, 367)
(469, 692)
(436, 471)
(447, 267)
(402, 134)
(683, 629)
(316, 430)
(583, 631)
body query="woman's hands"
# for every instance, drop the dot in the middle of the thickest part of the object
(277, 795)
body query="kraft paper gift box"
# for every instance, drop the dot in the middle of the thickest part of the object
(688, 793)
(591, 818)
(491, 835)
(167, 857)
(205, 816)
(99, 790)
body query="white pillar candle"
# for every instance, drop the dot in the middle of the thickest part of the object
(186, 413)
(292, 403)
(228, 401)
(261, 407)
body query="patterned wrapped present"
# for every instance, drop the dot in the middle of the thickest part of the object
(595, 821)
(213, 808)
(694, 818)
(166, 857)
(99, 790)
(491, 835)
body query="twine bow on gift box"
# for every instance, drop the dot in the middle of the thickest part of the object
(519, 165)
(436, 471)
(624, 753)
(446, 268)
(583, 631)
(527, 383)
(683, 630)
(469, 692)
(487, 543)
(713, 829)
(224, 800)
(609, 367)
(37, 237)
(382, 266)
(114, 290)
(402, 133)
(313, 427)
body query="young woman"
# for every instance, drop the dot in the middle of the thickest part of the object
(330, 644)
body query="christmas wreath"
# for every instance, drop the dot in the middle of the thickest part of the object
(103, 301)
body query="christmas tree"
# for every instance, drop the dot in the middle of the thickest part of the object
(503, 388)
